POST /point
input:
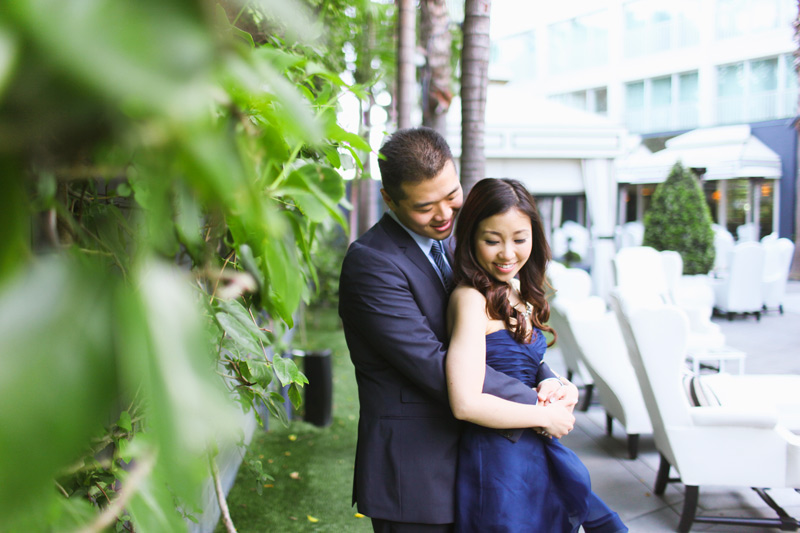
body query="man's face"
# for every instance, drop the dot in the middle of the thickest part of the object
(430, 206)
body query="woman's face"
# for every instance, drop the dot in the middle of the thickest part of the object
(503, 243)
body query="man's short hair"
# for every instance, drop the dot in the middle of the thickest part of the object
(412, 155)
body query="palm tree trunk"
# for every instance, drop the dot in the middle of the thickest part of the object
(474, 81)
(437, 73)
(406, 72)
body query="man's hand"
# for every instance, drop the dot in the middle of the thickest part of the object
(558, 389)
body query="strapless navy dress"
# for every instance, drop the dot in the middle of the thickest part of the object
(535, 485)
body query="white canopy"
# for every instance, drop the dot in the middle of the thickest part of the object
(726, 152)
(539, 142)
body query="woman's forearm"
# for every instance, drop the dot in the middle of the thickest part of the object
(493, 412)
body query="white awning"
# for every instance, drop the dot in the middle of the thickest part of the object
(726, 152)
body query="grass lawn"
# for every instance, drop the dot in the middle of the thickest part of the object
(312, 467)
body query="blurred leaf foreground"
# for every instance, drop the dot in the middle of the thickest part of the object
(164, 175)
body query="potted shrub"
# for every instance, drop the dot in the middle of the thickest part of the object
(679, 219)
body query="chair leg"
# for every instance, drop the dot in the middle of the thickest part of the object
(633, 446)
(587, 397)
(609, 424)
(662, 478)
(689, 508)
(780, 308)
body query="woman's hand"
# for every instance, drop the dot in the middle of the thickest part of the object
(560, 419)
(551, 390)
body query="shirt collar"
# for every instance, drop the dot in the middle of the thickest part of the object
(424, 243)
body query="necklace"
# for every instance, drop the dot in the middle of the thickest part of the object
(528, 310)
(528, 306)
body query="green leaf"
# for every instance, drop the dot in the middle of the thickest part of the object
(54, 326)
(282, 369)
(295, 396)
(317, 191)
(238, 311)
(124, 421)
(8, 56)
(338, 133)
(250, 263)
(260, 372)
(150, 56)
(238, 332)
(285, 281)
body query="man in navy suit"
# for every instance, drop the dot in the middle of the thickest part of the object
(392, 302)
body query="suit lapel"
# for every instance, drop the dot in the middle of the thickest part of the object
(410, 249)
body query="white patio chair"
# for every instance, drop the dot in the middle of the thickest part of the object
(777, 264)
(606, 357)
(630, 234)
(573, 287)
(707, 445)
(740, 291)
(649, 276)
(723, 244)
(769, 237)
(746, 233)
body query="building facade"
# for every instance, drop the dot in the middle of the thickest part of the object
(661, 68)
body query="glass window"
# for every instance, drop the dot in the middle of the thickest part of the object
(635, 117)
(742, 17)
(766, 189)
(662, 92)
(601, 100)
(763, 75)
(636, 15)
(791, 73)
(514, 57)
(578, 43)
(688, 87)
(688, 101)
(730, 80)
(738, 208)
(634, 95)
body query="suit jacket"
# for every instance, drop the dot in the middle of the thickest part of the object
(393, 309)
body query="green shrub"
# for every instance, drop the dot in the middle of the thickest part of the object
(679, 219)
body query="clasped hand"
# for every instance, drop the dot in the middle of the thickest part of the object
(560, 399)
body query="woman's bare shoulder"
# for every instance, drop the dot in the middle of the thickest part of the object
(465, 295)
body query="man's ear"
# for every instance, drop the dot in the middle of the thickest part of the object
(388, 200)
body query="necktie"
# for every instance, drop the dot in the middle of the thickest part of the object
(437, 252)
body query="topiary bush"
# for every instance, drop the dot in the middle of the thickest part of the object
(679, 219)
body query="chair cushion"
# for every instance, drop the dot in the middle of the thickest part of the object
(698, 393)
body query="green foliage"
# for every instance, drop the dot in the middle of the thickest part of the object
(306, 471)
(165, 177)
(679, 219)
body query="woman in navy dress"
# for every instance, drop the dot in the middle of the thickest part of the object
(497, 316)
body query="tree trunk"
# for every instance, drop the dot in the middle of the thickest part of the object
(437, 73)
(474, 81)
(367, 187)
(795, 271)
(364, 190)
(406, 71)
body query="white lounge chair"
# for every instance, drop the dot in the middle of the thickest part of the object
(727, 446)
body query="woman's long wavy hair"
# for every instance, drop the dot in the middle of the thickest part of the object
(487, 198)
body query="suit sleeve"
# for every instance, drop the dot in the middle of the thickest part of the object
(377, 301)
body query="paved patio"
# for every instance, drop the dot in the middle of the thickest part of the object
(773, 347)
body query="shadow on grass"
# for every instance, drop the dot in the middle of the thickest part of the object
(311, 467)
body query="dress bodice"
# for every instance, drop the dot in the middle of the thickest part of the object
(520, 361)
(535, 484)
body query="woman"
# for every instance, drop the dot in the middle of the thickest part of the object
(497, 316)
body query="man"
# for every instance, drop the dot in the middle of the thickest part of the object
(392, 301)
